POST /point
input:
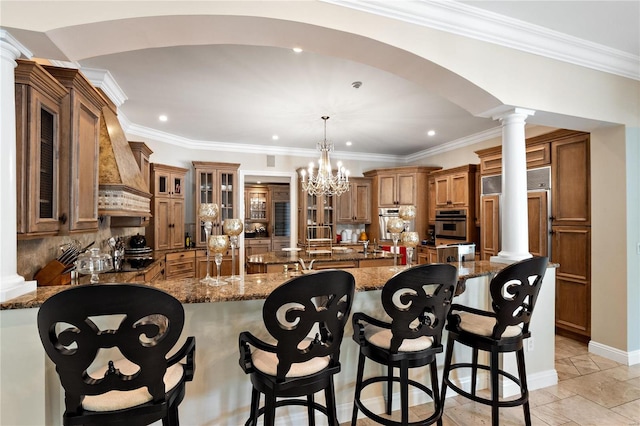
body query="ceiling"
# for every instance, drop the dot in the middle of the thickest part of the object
(242, 95)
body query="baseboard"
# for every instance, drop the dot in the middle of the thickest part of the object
(535, 381)
(617, 355)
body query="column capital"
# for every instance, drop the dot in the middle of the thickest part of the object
(514, 114)
(11, 48)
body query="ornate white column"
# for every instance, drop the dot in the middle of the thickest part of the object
(514, 223)
(11, 284)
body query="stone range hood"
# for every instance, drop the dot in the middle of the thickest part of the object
(122, 190)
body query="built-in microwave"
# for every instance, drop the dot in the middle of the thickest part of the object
(451, 224)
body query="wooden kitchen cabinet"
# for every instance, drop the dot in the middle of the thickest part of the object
(455, 188)
(314, 212)
(141, 152)
(225, 267)
(354, 206)
(256, 246)
(571, 249)
(39, 99)
(79, 149)
(567, 154)
(570, 173)
(257, 204)
(215, 183)
(393, 187)
(166, 227)
(180, 264)
(537, 213)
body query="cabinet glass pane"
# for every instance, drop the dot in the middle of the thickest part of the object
(162, 184)
(177, 186)
(206, 187)
(47, 164)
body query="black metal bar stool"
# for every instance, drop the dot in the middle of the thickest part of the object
(514, 291)
(417, 300)
(298, 364)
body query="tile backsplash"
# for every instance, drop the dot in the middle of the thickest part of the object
(35, 253)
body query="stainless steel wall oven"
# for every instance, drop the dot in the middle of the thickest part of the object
(451, 224)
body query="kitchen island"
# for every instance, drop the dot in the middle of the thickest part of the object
(220, 392)
(337, 257)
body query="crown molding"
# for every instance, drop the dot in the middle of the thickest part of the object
(456, 144)
(168, 138)
(472, 22)
(105, 81)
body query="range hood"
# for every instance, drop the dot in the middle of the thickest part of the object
(122, 189)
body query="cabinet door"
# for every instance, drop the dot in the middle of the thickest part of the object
(490, 229)
(84, 166)
(387, 190)
(406, 189)
(177, 183)
(442, 191)
(571, 249)
(161, 222)
(362, 202)
(570, 181)
(345, 207)
(538, 223)
(459, 190)
(176, 227)
(37, 161)
(227, 189)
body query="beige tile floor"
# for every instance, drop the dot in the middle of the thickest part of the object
(591, 390)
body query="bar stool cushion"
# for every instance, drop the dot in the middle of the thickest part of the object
(483, 325)
(381, 337)
(267, 362)
(118, 400)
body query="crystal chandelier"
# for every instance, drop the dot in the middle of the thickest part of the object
(323, 182)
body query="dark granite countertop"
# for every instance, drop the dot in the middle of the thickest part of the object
(250, 287)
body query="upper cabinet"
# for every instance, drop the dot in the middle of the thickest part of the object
(538, 155)
(570, 174)
(79, 149)
(455, 188)
(256, 204)
(39, 100)
(216, 183)
(354, 206)
(393, 187)
(166, 230)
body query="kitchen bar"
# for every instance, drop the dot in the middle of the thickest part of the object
(220, 394)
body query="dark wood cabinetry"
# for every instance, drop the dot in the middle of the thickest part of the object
(393, 187)
(215, 183)
(39, 99)
(354, 206)
(568, 154)
(166, 228)
(80, 149)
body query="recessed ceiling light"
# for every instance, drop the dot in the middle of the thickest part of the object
(275, 137)
(258, 182)
(163, 118)
(349, 143)
(431, 132)
(297, 49)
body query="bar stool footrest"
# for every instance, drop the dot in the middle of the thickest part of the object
(388, 422)
(285, 402)
(486, 401)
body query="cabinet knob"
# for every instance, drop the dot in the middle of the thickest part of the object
(63, 218)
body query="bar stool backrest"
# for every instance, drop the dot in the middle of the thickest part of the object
(418, 301)
(514, 291)
(73, 330)
(318, 301)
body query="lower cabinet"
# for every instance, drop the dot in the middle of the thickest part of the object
(256, 246)
(225, 267)
(180, 265)
(153, 274)
(571, 250)
(426, 255)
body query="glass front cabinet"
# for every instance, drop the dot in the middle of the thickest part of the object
(215, 183)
